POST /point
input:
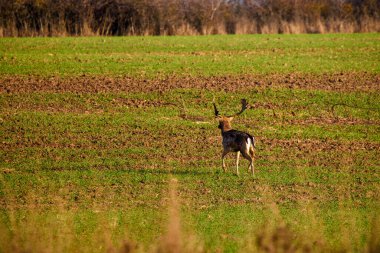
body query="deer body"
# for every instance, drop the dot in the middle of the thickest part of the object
(236, 141)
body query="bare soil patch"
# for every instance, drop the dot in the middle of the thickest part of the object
(97, 84)
(166, 147)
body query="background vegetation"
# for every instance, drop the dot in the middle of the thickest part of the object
(109, 144)
(186, 17)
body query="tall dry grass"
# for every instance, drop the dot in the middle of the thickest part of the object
(191, 17)
(172, 240)
(29, 230)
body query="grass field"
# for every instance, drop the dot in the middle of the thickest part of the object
(110, 145)
(206, 56)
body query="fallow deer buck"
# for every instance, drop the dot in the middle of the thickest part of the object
(234, 140)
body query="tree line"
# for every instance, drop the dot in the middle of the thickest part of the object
(185, 17)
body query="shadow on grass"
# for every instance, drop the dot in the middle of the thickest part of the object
(210, 172)
(173, 172)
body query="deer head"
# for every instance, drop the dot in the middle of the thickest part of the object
(225, 121)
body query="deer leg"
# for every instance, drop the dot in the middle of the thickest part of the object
(250, 159)
(252, 155)
(237, 162)
(252, 168)
(223, 163)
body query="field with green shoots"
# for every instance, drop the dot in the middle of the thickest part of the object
(109, 144)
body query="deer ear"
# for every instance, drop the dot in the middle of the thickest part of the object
(230, 118)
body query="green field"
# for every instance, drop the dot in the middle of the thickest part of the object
(109, 144)
(207, 55)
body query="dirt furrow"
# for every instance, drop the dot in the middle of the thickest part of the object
(348, 82)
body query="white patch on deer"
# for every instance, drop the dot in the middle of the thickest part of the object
(249, 143)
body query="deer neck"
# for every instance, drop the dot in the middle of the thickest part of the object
(226, 126)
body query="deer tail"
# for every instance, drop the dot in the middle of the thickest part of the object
(251, 140)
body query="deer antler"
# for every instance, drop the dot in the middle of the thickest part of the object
(244, 106)
(215, 109)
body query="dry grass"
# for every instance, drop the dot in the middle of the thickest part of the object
(275, 234)
(172, 240)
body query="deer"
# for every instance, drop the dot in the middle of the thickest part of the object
(235, 140)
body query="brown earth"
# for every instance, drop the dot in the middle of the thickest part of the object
(352, 81)
(166, 147)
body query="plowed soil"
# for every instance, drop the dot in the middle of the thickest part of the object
(97, 84)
